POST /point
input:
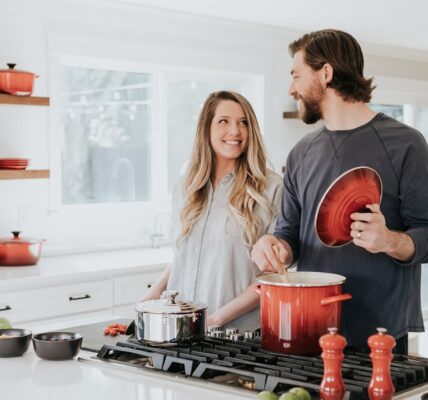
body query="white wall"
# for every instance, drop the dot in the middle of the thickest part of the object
(35, 33)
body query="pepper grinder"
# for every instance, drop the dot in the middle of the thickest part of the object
(381, 345)
(332, 386)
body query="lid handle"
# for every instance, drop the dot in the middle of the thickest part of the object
(170, 296)
(11, 65)
(16, 234)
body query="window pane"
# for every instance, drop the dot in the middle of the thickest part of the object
(393, 111)
(106, 119)
(184, 103)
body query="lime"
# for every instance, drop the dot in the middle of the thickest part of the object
(5, 324)
(266, 395)
(289, 396)
(302, 393)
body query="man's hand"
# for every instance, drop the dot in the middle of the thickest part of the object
(370, 232)
(271, 254)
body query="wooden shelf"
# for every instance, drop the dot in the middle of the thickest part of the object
(24, 100)
(291, 114)
(24, 173)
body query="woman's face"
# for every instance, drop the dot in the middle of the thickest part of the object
(229, 131)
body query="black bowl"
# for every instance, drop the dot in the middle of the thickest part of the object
(57, 345)
(14, 342)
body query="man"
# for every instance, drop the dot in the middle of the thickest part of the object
(383, 263)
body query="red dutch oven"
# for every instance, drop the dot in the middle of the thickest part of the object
(16, 82)
(297, 308)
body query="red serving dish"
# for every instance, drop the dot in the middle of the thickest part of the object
(349, 193)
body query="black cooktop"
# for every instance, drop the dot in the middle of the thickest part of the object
(245, 363)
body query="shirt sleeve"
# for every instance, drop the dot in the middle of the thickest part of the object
(288, 223)
(414, 198)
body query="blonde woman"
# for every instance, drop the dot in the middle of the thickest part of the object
(225, 202)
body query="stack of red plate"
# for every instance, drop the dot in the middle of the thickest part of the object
(13, 163)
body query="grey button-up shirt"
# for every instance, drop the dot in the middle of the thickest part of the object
(212, 264)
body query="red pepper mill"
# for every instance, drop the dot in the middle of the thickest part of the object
(332, 344)
(381, 345)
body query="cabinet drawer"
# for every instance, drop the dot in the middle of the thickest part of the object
(42, 303)
(130, 289)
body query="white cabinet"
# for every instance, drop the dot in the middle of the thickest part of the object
(49, 302)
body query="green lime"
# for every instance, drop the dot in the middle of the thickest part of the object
(266, 395)
(302, 393)
(289, 396)
(5, 324)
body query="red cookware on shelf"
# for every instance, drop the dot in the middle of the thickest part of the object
(16, 251)
(16, 82)
(296, 311)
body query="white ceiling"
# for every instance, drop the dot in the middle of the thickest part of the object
(398, 23)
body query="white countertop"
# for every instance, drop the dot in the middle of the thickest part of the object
(29, 377)
(85, 265)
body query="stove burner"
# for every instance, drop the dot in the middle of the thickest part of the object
(246, 364)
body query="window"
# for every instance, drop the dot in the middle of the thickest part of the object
(127, 136)
(107, 122)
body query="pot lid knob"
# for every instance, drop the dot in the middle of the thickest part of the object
(11, 65)
(170, 296)
(16, 234)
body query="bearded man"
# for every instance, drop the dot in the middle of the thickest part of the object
(382, 264)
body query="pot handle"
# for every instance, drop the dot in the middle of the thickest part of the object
(257, 289)
(334, 299)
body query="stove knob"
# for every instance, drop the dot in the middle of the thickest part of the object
(217, 334)
(249, 335)
(236, 337)
(214, 328)
(231, 331)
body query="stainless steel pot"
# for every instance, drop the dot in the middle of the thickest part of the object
(168, 321)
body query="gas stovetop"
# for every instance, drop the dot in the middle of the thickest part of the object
(246, 365)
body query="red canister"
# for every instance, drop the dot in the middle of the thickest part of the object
(296, 308)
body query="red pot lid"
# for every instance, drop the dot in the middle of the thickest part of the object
(349, 193)
(301, 279)
(12, 69)
(17, 240)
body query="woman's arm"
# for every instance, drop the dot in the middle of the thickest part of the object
(245, 302)
(158, 287)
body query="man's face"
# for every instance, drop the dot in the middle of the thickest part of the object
(306, 89)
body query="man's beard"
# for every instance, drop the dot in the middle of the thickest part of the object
(311, 111)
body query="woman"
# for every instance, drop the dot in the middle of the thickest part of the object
(225, 202)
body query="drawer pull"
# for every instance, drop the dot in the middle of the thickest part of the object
(86, 296)
(6, 308)
(149, 286)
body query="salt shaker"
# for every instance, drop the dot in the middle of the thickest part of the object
(332, 386)
(381, 345)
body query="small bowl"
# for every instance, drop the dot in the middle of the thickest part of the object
(14, 342)
(57, 345)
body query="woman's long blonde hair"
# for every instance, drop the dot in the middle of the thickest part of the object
(251, 171)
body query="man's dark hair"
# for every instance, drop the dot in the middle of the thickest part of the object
(343, 53)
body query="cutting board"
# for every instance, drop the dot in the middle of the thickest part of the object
(93, 334)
